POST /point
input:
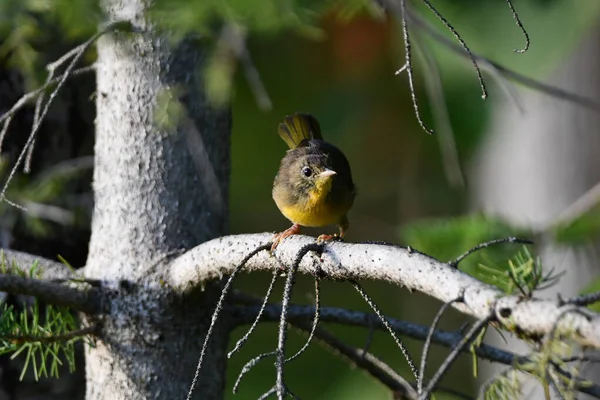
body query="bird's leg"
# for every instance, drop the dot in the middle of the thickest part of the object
(293, 230)
(343, 226)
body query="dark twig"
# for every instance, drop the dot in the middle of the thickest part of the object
(504, 71)
(432, 329)
(455, 33)
(248, 366)
(582, 301)
(88, 300)
(402, 14)
(246, 336)
(246, 314)
(386, 323)
(287, 294)
(520, 25)
(369, 340)
(473, 332)
(314, 324)
(218, 309)
(362, 359)
(454, 264)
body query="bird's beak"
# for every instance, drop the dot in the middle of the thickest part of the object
(327, 173)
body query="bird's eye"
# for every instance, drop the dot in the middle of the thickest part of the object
(307, 171)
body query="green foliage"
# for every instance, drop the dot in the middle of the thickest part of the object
(504, 386)
(447, 238)
(182, 17)
(580, 230)
(26, 28)
(35, 333)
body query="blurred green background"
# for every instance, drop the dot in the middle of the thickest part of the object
(337, 61)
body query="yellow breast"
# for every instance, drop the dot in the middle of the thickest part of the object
(314, 210)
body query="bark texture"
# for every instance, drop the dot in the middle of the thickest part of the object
(160, 188)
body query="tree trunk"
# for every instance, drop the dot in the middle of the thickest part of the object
(536, 164)
(159, 189)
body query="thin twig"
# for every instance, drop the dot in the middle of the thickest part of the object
(246, 336)
(5, 127)
(432, 329)
(361, 359)
(455, 33)
(248, 366)
(63, 79)
(504, 71)
(386, 323)
(470, 335)
(64, 337)
(520, 25)
(454, 264)
(314, 324)
(218, 310)
(246, 314)
(287, 294)
(402, 14)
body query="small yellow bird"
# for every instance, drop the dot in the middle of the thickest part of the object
(314, 184)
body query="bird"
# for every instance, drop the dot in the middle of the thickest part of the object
(314, 186)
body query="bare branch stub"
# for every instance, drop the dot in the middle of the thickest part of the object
(582, 301)
(87, 300)
(454, 264)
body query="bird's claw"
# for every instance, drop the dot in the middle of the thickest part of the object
(327, 238)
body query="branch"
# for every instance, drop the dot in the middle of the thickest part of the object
(361, 359)
(344, 261)
(87, 300)
(47, 269)
(245, 315)
(508, 73)
(19, 339)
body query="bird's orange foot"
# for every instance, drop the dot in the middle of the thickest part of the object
(293, 230)
(326, 238)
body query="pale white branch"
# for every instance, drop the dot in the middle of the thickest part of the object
(47, 269)
(393, 264)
